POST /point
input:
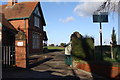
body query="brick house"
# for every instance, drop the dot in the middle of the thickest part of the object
(28, 19)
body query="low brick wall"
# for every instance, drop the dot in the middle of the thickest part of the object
(104, 69)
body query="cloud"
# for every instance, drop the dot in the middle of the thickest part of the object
(77, 0)
(86, 8)
(68, 19)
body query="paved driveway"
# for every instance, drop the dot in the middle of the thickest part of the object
(53, 67)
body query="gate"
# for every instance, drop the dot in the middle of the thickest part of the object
(8, 55)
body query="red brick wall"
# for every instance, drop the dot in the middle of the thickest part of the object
(30, 28)
(20, 56)
(109, 71)
(21, 24)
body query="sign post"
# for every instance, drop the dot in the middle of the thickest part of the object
(101, 40)
(99, 18)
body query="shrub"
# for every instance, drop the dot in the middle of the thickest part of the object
(51, 45)
(88, 45)
(62, 44)
(77, 49)
(82, 47)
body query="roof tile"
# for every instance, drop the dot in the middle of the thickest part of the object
(6, 23)
(23, 9)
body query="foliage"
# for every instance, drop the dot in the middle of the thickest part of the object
(51, 45)
(82, 47)
(109, 59)
(62, 44)
(113, 37)
(77, 49)
(88, 45)
(114, 43)
(107, 53)
(116, 51)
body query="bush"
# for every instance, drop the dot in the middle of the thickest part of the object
(51, 45)
(116, 51)
(82, 47)
(77, 49)
(62, 44)
(88, 45)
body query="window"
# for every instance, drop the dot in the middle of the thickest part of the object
(36, 17)
(37, 11)
(36, 40)
(36, 21)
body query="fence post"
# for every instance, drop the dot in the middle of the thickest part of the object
(9, 55)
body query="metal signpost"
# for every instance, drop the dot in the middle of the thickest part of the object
(99, 18)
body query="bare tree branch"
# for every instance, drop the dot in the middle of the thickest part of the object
(108, 6)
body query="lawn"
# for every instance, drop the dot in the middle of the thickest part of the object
(55, 48)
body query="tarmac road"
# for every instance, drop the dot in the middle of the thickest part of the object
(53, 67)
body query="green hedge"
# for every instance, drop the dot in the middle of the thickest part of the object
(82, 47)
(107, 53)
(77, 49)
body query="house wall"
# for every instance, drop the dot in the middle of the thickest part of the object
(33, 29)
(28, 27)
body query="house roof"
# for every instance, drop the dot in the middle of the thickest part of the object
(20, 10)
(6, 23)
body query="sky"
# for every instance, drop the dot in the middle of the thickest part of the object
(64, 18)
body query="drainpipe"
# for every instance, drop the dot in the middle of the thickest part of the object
(27, 45)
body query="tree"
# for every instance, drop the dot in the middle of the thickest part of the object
(113, 37)
(109, 5)
(113, 44)
(62, 44)
(51, 45)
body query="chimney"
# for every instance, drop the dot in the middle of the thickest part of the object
(11, 2)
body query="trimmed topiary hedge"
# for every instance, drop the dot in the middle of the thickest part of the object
(82, 47)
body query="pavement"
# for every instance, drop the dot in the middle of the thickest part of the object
(48, 66)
